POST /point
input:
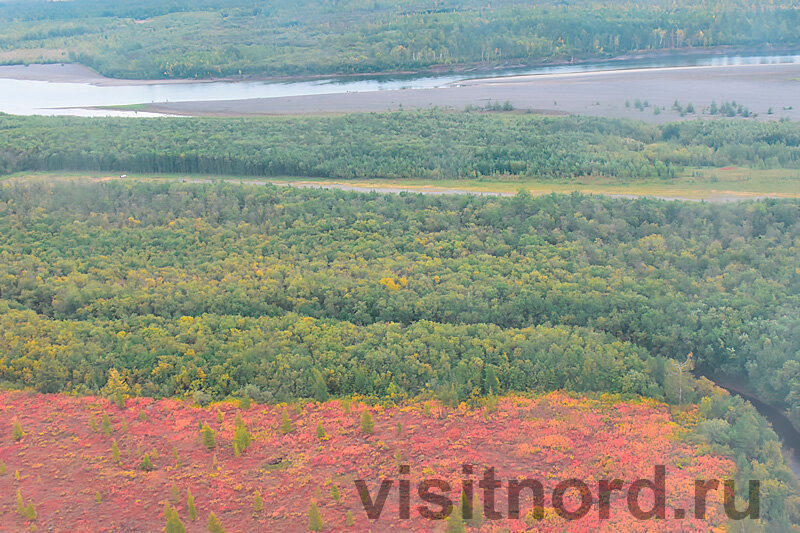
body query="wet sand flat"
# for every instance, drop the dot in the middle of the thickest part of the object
(74, 73)
(604, 93)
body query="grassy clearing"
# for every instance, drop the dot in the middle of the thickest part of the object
(695, 184)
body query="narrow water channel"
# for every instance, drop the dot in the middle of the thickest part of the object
(787, 432)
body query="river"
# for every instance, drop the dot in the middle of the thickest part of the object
(787, 432)
(23, 94)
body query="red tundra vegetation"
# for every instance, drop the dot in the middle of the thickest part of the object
(85, 464)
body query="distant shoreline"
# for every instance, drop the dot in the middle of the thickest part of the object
(78, 73)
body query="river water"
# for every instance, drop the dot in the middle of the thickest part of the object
(787, 432)
(29, 97)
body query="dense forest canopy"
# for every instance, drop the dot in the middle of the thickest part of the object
(215, 288)
(431, 144)
(157, 39)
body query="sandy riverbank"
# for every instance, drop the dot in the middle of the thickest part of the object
(74, 73)
(602, 93)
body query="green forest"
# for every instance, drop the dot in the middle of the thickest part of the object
(270, 293)
(214, 288)
(431, 144)
(212, 38)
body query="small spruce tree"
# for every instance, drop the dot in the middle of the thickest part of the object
(455, 523)
(146, 464)
(286, 423)
(314, 518)
(258, 502)
(142, 415)
(207, 436)
(241, 437)
(27, 511)
(115, 451)
(220, 417)
(214, 525)
(30, 512)
(190, 508)
(335, 493)
(350, 521)
(174, 524)
(320, 431)
(16, 431)
(367, 425)
(477, 513)
(3, 468)
(106, 425)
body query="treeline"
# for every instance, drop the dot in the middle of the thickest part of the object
(434, 144)
(281, 358)
(154, 39)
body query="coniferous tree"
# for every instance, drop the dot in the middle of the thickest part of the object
(455, 522)
(214, 525)
(192, 511)
(286, 423)
(16, 431)
(241, 437)
(477, 513)
(207, 436)
(314, 518)
(367, 424)
(146, 464)
(174, 524)
(106, 425)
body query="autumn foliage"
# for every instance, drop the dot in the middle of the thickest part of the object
(300, 480)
